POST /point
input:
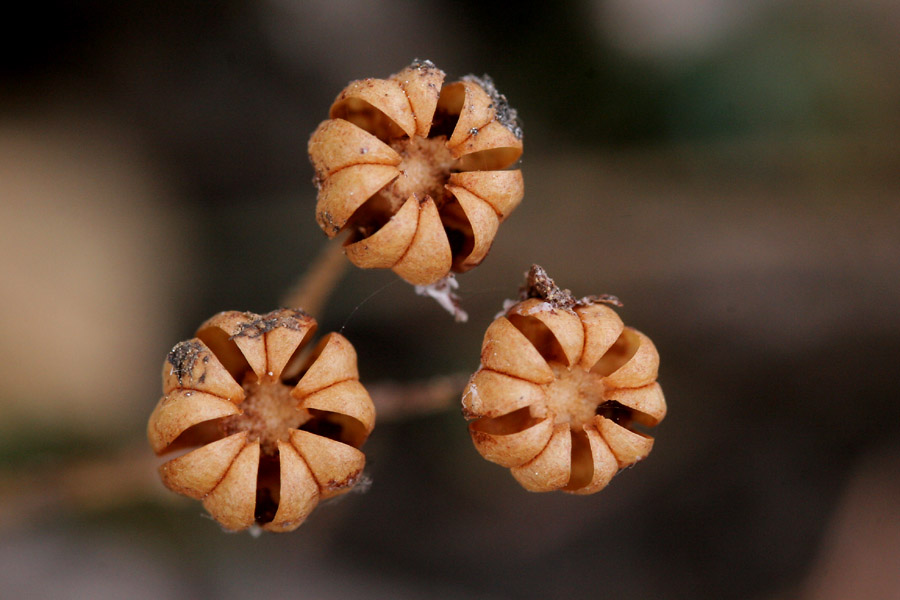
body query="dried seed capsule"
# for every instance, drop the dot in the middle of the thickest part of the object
(561, 386)
(276, 429)
(415, 171)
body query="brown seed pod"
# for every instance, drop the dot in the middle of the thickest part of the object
(561, 386)
(278, 428)
(415, 171)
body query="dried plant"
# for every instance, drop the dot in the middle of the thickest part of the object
(416, 172)
(562, 385)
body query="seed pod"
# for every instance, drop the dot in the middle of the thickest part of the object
(561, 386)
(277, 428)
(414, 171)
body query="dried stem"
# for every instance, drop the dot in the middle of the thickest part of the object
(312, 289)
(400, 401)
(129, 475)
(73, 486)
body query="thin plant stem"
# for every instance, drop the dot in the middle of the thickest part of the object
(128, 475)
(312, 290)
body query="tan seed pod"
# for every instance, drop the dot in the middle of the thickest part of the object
(416, 171)
(562, 385)
(275, 427)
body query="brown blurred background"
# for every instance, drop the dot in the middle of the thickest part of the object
(730, 170)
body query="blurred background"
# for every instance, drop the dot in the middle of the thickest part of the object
(730, 170)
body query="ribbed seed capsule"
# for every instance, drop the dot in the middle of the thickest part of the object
(415, 171)
(276, 428)
(561, 386)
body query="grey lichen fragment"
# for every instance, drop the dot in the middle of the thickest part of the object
(599, 299)
(443, 293)
(422, 64)
(183, 358)
(287, 318)
(506, 115)
(539, 285)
